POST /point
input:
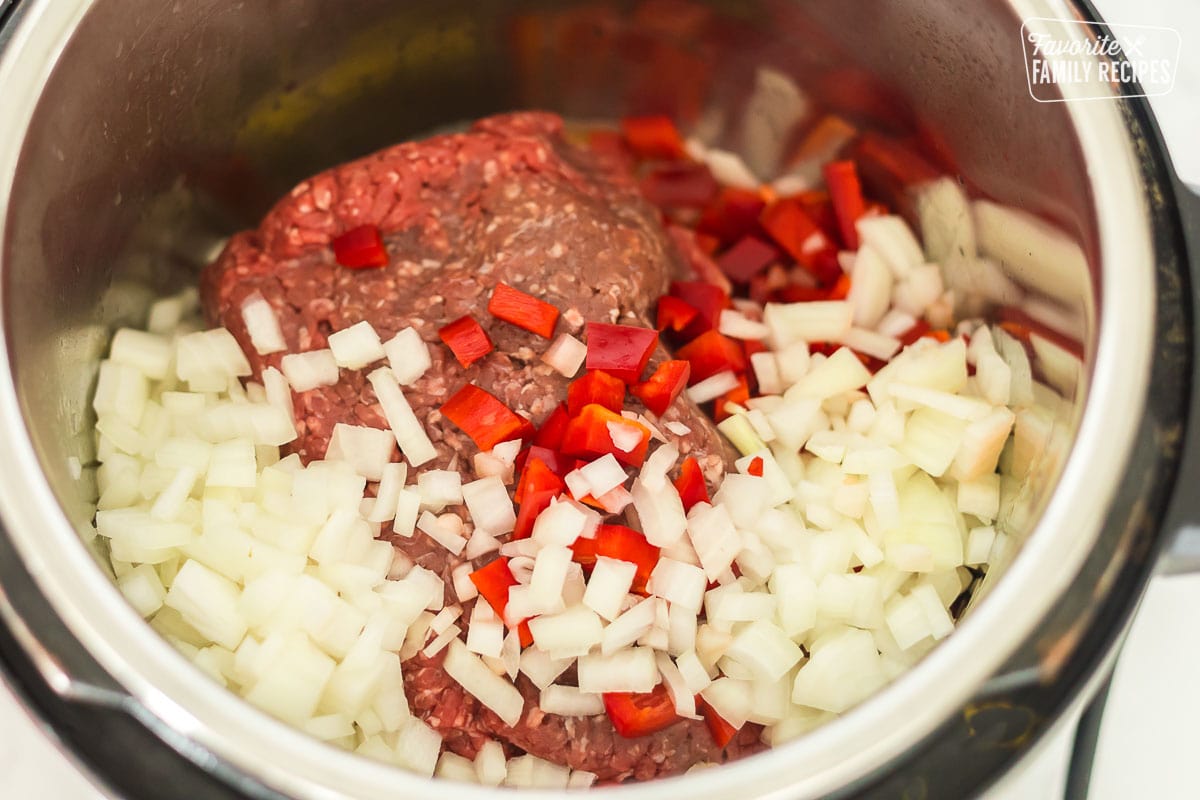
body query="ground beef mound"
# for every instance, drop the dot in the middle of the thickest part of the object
(512, 201)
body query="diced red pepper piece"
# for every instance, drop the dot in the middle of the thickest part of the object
(756, 467)
(584, 553)
(708, 300)
(845, 191)
(722, 732)
(523, 310)
(732, 215)
(674, 313)
(841, 288)
(653, 136)
(747, 258)
(680, 185)
(482, 416)
(659, 391)
(534, 503)
(738, 394)
(699, 260)
(360, 248)
(558, 463)
(588, 436)
(891, 162)
(620, 350)
(829, 135)
(493, 582)
(537, 476)
(710, 353)
(1021, 326)
(919, 329)
(819, 207)
(550, 434)
(467, 339)
(690, 484)
(794, 230)
(635, 715)
(595, 386)
(709, 244)
(626, 544)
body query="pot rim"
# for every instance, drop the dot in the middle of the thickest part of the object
(831, 757)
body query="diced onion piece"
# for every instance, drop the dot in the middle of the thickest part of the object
(541, 668)
(490, 764)
(870, 288)
(766, 373)
(206, 360)
(737, 325)
(967, 408)
(871, 343)
(233, 464)
(549, 578)
(729, 170)
(679, 583)
(842, 672)
(356, 346)
(560, 524)
(714, 536)
(603, 474)
(305, 371)
(677, 687)
(367, 450)
(490, 689)
(841, 372)
(408, 356)
(630, 670)
(660, 511)
(408, 506)
(291, 676)
(148, 353)
(391, 481)
(263, 325)
(979, 545)
(713, 387)
(608, 586)
(624, 437)
(410, 434)
(144, 590)
(565, 355)
(122, 391)
(818, 321)
(209, 603)
(531, 772)
(571, 632)
(443, 530)
(731, 699)
(629, 626)
(569, 701)
(485, 632)
(893, 240)
(490, 505)
(440, 488)
(980, 496)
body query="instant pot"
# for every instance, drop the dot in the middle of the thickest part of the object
(136, 135)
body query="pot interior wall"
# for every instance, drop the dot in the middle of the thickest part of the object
(162, 129)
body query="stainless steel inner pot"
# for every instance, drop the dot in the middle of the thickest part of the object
(136, 135)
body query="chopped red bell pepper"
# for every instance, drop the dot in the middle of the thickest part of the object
(756, 467)
(738, 394)
(732, 215)
(709, 244)
(635, 715)
(558, 463)
(620, 350)
(710, 353)
(840, 289)
(819, 207)
(919, 329)
(722, 732)
(690, 484)
(583, 552)
(523, 310)
(659, 391)
(626, 544)
(595, 386)
(360, 248)
(483, 417)
(1021, 326)
(493, 582)
(680, 185)
(674, 313)
(747, 258)
(890, 161)
(550, 434)
(537, 476)
(708, 300)
(653, 137)
(467, 339)
(533, 504)
(699, 260)
(588, 436)
(845, 190)
(796, 232)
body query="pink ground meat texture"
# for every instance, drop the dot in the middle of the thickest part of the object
(512, 201)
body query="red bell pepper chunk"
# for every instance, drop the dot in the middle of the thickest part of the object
(523, 310)
(732, 215)
(890, 161)
(584, 553)
(710, 353)
(841, 288)
(708, 300)
(635, 715)
(659, 391)
(680, 185)
(747, 258)
(653, 137)
(537, 476)
(620, 350)
(700, 262)
(690, 484)
(756, 467)
(483, 417)
(796, 232)
(919, 329)
(550, 434)
(626, 544)
(558, 463)
(360, 248)
(819, 207)
(533, 504)
(493, 582)
(597, 387)
(674, 314)
(588, 436)
(738, 394)
(722, 732)
(707, 243)
(467, 339)
(845, 191)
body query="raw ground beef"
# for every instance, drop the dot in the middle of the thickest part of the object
(511, 201)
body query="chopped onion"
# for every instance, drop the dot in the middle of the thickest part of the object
(356, 347)
(408, 356)
(603, 474)
(737, 325)
(713, 387)
(490, 505)
(893, 240)
(560, 524)
(410, 435)
(444, 530)
(367, 450)
(495, 692)
(262, 324)
(305, 371)
(148, 353)
(568, 633)
(817, 321)
(629, 626)
(569, 701)
(630, 670)
(565, 355)
(678, 583)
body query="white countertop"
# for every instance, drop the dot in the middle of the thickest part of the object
(1148, 739)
